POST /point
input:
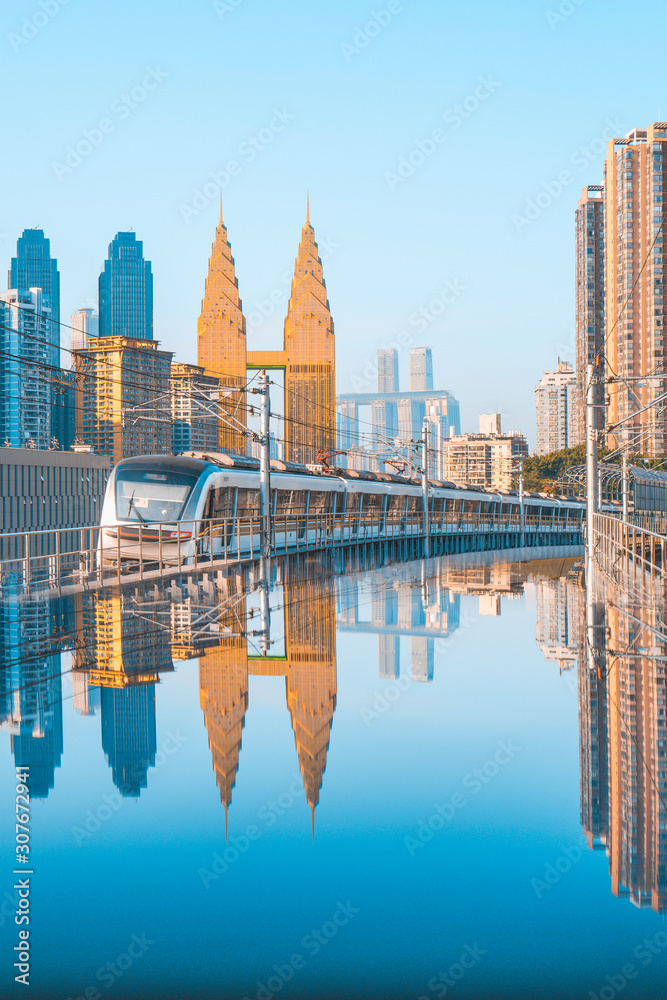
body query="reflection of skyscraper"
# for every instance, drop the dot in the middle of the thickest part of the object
(129, 735)
(623, 750)
(123, 652)
(223, 696)
(311, 677)
(31, 707)
(559, 610)
(389, 657)
(421, 656)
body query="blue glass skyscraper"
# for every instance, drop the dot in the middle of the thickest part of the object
(126, 290)
(34, 267)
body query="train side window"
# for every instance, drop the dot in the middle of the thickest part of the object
(321, 501)
(248, 503)
(415, 505)
(372, 505)
(291, 502)
(220, 502)
(396, 506)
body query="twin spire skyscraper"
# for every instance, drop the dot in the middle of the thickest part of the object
(307, 358)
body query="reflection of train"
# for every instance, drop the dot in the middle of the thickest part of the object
(209, 504)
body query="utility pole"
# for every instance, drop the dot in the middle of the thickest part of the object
(591, 459)
(522, 519)
(625, 485)
(427, 517)
(265, 466)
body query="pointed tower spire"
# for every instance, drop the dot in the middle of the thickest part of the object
(309, 349)
(221, 340)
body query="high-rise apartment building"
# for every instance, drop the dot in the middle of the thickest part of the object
(387, 364)
(590, 294)
(491, 460)
(84, 323)
(123, 397)
(623, 235)
(421, 369)
(557, 407)
(26, 399)
(126, 290)
(195, 398)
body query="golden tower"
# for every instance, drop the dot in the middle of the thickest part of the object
(309, 349)
(221, 340)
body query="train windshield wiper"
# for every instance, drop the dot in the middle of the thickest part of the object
(130, 505)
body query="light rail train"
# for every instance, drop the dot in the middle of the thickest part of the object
(173, 508)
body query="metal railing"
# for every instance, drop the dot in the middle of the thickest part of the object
(79, 556)
(655, 521)
(622, 547)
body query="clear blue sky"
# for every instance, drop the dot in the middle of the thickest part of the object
(555, 82)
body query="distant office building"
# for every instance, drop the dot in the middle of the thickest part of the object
(387, 362)
(489, 423)
(422, 656)
(126, 291)
(421, 369)
(84, 324)
(34, 267)
(124, 402)
(590, 293)
(389, 657)
(395, 415)
(195, 399)
(26, 400)
(50, 489)
(482, 459)
(276, 448)
(556, 404)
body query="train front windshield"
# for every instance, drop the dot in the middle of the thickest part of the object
(143, 495)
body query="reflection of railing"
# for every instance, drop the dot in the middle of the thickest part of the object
(104, 554)
(623, 548)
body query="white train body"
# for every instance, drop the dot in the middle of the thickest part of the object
(171, 508)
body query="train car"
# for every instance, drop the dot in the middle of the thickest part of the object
(173, 509)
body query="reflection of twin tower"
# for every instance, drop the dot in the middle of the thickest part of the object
(309, 668)
(307, 357)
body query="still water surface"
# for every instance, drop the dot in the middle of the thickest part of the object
(405, 783)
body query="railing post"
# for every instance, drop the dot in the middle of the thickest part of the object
(57, 558)
(27, 549)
